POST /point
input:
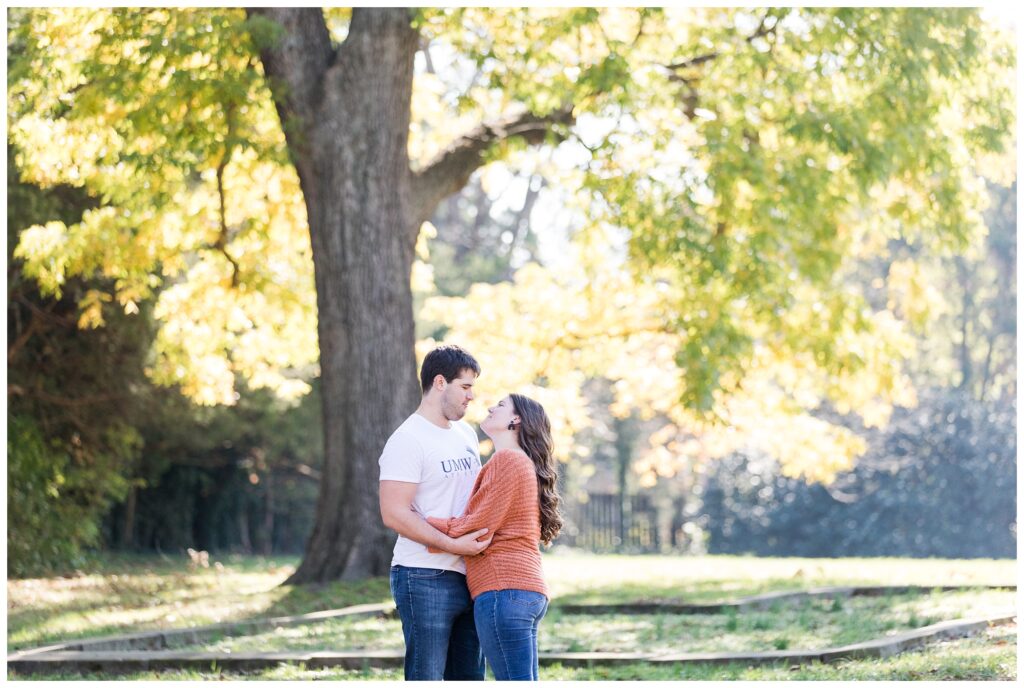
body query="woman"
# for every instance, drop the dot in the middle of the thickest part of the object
(514, 497)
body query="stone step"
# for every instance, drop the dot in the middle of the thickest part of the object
(163, 639)
(114, 662)
(765, 601)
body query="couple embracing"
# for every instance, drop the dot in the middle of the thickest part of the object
(466, 572)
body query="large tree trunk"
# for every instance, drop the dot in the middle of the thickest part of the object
(362, 254)
(349, 146)
(346, 116)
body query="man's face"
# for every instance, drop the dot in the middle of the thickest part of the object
(457, 395)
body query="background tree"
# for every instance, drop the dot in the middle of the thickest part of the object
(71, 436)
(478, 242)
(100, 457)
(240, 478)
(939, 480)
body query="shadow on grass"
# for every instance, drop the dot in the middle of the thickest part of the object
(316, 597)
(160, 587)
(131, 593)
(32, 626)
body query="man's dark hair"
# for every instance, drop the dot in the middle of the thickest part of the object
(448, 360)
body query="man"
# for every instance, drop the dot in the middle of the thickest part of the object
(428, 468)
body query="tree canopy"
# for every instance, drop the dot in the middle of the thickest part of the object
(728, 168)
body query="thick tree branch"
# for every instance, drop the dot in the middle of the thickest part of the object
(450, 170)
(222, 238)
(425, 49)
(221, 244)
(295, 66)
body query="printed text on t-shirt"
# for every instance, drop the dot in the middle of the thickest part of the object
(452, 466)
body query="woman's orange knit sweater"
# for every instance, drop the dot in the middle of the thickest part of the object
(506, 502)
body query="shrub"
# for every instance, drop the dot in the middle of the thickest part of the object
(57, 494)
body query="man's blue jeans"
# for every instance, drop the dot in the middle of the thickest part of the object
(437, 622)
(507, 621)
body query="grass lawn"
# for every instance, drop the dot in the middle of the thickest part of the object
(134, 593)
(982, 658)
(808, 625)
(578, 578)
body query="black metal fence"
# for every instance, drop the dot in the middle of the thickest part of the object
(601, 524)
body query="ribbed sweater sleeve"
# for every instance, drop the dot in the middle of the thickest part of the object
(505, 501)
(498, 484)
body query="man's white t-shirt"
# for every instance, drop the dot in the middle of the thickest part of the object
(444, 462)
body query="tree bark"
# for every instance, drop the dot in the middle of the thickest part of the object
(346, 116)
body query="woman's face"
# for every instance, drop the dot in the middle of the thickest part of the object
(499, 416)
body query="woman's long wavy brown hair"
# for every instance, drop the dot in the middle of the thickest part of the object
(535, 439)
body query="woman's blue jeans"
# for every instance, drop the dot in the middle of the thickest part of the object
(506, 622)
(437, 622)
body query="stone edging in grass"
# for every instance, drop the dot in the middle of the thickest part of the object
(108, 649)
(113, 662)
(877, 648)
(162, 639)
(765, 601)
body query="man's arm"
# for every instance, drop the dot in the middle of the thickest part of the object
(396, 509)
(499, 486)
